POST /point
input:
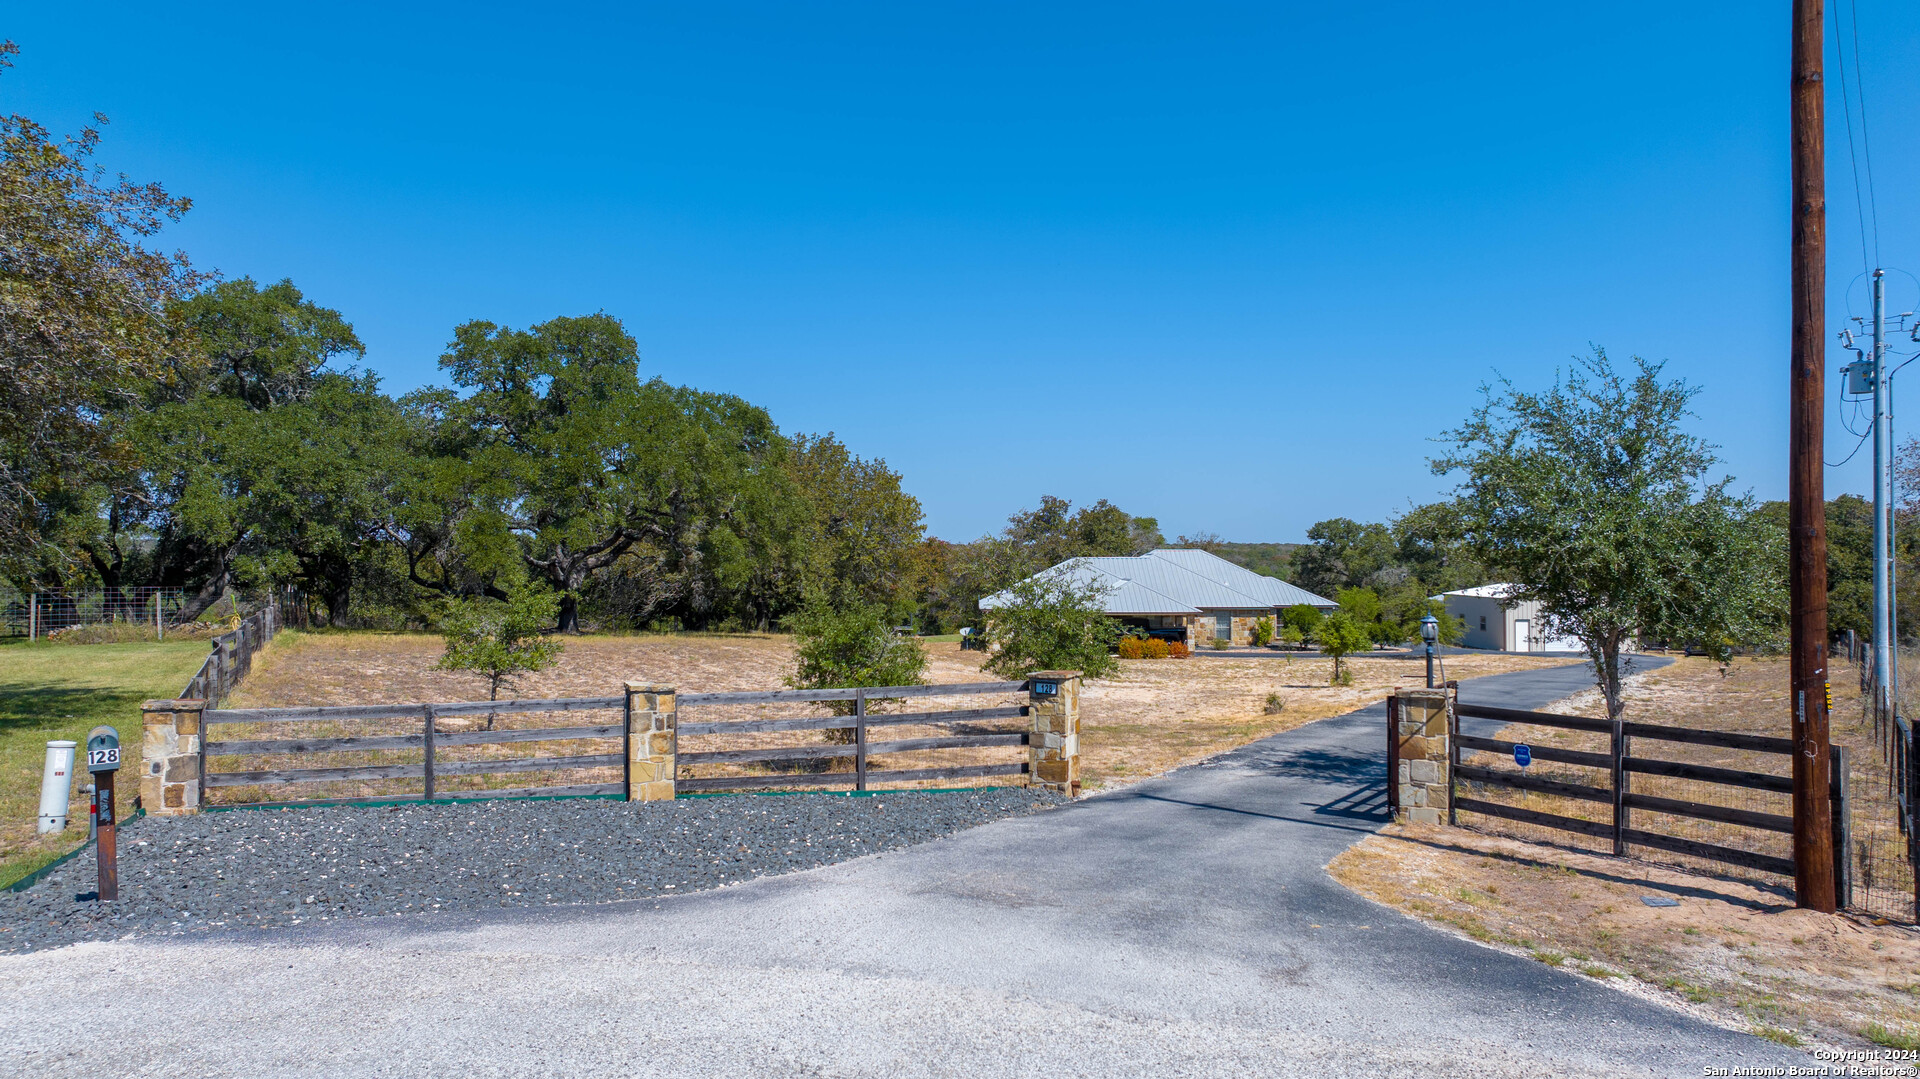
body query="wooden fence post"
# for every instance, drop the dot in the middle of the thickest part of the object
(170, 756)
(1393, 755)
(1842, 830)
(1617, 742)
(652, 748)
(426, 760)
(1053, 734)
(860, 740)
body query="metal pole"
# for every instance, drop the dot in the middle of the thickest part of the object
(1882, 511)
(1806, 498)
(1429, 666)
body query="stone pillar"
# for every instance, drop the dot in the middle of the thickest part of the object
(1423, 740)
(1053, 733)
(652, 746)
(170, 757)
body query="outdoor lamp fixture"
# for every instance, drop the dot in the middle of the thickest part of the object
(1430, 633)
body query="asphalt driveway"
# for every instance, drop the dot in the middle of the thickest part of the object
(1182, 926)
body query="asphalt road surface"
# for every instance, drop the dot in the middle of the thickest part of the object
(1180, 927)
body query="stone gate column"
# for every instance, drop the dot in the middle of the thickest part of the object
(1423, 743)
(652, 746)
(170, 756)
(1053, 731)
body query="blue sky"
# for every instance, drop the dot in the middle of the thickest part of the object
(1231, 266)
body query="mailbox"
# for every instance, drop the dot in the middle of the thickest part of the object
(103, 749)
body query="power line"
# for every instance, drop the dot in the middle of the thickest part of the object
(1866, 144)
(1846, 110)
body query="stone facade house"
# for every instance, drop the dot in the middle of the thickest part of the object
(1178, 594)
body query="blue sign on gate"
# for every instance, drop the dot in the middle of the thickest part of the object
(1522, 756)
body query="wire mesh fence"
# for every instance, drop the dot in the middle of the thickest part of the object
(45, 613)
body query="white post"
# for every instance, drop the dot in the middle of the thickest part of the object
(159, 631)
(56, 787)
(33, 614)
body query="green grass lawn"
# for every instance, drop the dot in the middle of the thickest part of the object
(50, 691)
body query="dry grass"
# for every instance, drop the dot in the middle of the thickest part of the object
(1155, 715)
(1738, 951)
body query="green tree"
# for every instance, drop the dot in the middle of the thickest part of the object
(862, 531)
(559, 455)
(500, 640)
(1343, 553)
(1049, 622)
(86, 329)
(1593, 498)
(848, 648)
(1339, 636)
(1262, 632)
(1430, 541)
(298, 493)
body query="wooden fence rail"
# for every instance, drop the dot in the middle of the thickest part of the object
(1619, 764)
(862, 749)
(430, 768)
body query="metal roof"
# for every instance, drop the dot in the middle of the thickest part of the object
(1153, 584)
(1271, 590)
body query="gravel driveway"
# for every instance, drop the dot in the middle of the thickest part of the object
(1182, 927)
(257, 868)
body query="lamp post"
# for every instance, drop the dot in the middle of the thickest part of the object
(1430, 633)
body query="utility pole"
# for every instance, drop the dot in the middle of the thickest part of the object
(1806, 497)
(1883, 631)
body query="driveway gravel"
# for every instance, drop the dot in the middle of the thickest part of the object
(259, 868)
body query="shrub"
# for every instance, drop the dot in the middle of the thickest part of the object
(1220, 644)
(1303, 617)
(1276, 704)
(1132, 648)
(1157, 649)
(1262, 632)
(1339, 637)
(500, 641)
(1052, 624)
(1178, 649)
(1291, 637)
(833, 649)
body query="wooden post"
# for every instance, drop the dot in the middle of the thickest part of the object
(1452, 690)
(1393, 755)
(106, 848)
(860, 740)
(427, 744)
(1617, 749)
(1842, 832)
(1806, 492)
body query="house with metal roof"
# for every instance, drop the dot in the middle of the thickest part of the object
(1179, 594)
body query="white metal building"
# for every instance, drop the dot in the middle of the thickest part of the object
(1493, 621)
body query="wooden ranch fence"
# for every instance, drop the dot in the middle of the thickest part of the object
(231, 656)
(626, 746)
(423, 776)
(805, 765)
(1614, 797)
